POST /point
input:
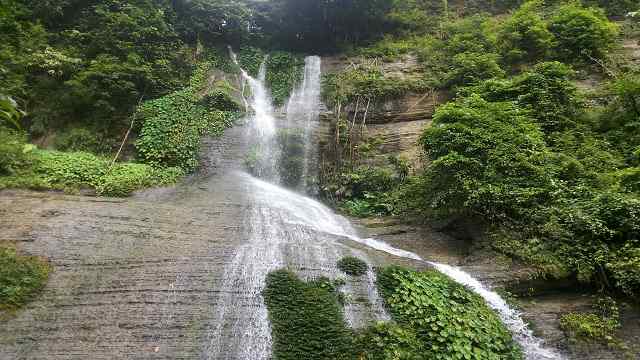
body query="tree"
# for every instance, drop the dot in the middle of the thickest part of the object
(487, 159)
(581, 32)
(546, 91)
(525, 36)
(324, 25)
(213, 21)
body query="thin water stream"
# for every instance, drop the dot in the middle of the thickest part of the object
(285, 228)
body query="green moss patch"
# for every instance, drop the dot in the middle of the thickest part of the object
(21, 277)
(352, 266)
(434, 318)
(306, 318)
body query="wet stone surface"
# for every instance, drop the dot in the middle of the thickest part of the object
(134, 278)
(171, 273)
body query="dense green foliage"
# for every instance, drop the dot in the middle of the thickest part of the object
(524, 36)
(98, 58)
(9, 113)
(599, 325)
(284, 71)
(366, 82)
(306, 318)
(557, 191)
(353, 266)
(20, 277)
(440, 319)
(550, 171)
(581, 32)
(13, 152)
(435, 318)
(310, 25)
(173, 124)
(484, 156)
(23, 165)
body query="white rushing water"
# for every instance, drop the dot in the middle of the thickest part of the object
(284, 228)
(262, 128)
(303, 110)
(307, 212)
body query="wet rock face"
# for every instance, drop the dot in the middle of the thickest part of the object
(135, 278)
(396, 124)
(172, 273)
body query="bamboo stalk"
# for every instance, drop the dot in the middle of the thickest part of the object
(126, 136)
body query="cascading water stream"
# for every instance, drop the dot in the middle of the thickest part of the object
(286, 229)
(303, 110)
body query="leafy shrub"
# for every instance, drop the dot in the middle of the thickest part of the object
(78, 139)
(368, 179)
(21, 277)
(598, 326)
(126, 178)
(614, 7)
(9, 112)
(486, 158)
(388, 48)
(385, 341)
(581, 32)
(630, 179)
(367, 83)
(73, 170)
(14, 152)
(588, 326)
(470, 67)
(624, 266)
(546, 90)
(352, 266)
(525, 36)
(358, 208)
(250, 59)
(284, 71)
(440, 318)
(220, 98)
(306, 318)
(173, 125)
(434, 318)
(81, 170)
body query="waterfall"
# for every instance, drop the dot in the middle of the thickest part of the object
(303, 110)
(262, 124)
(284, 228)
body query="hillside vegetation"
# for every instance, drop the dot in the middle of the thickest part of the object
(535, 139)
(547, 166)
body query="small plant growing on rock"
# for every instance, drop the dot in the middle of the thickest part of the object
(597, 326)
(352, 266)
(20, 278)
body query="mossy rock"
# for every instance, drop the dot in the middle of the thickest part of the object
(306, 318)
(21, 277)
(352, 266)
